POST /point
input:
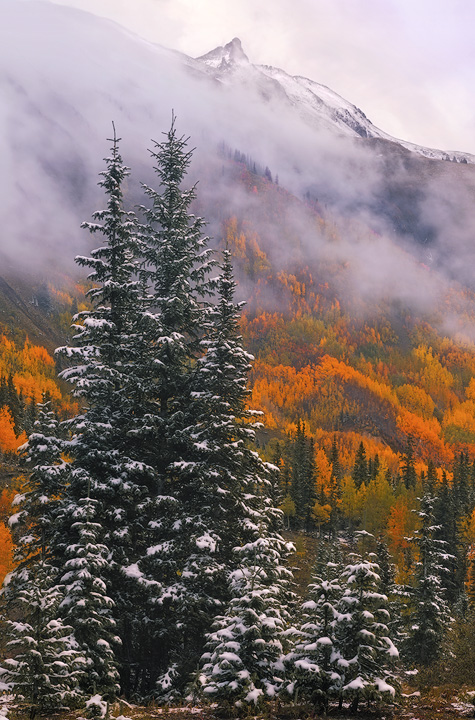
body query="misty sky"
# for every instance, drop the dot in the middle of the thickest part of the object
(408, 64)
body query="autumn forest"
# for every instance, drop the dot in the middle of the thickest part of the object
(366, 405)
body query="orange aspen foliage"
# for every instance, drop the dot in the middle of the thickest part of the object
(9, 442)
(6, 498)
(6, 552)
(427, 435)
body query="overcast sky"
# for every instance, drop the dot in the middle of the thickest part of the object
(408, 64)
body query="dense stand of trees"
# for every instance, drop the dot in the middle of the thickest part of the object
(149, 559)
(144, 514)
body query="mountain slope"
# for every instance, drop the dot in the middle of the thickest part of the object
(88, 71)
(317, 104)
(356, 229)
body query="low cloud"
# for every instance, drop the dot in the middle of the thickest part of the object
(66, 75)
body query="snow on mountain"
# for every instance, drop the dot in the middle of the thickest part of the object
(319, 106)
(66, 74)
(227, 57)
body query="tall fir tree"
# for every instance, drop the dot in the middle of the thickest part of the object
(429, 615)
(409, 475)
(446, 530)
(243, 664)
(46, 666)
(108, 469)
(176, 273)
(360, 469)
(303, 476)
(242, 514)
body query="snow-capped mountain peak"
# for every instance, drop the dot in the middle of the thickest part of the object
(317, 105)
(223, 58)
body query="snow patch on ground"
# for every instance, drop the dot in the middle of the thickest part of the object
(5, 704)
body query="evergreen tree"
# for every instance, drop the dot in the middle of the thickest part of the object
(86, 604)
(335, 460)
(43, 299)
(303, 475)
(409, 475)
(431, 480)
(38, 503)
(276, 490)
(243, 664)
(177, 318)
(429, 608)
(446, 530)
(15, 404)
(360, 468)
(397, 594)
(363, 635)
(313, 665)
(177, 271)
(335, 489)
(256, 613)
(47, 665)
(373, 473)
(461, 485)
(109, 477)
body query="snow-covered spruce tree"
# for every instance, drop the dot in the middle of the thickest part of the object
(398, 595)
(243, 664)
(38, 503)
(181, 568)
(314, 668)
(430, 614)
(362, 635)
(46, 666)
(208, 480)
(86, 603)
(225, 477)
(107, 462)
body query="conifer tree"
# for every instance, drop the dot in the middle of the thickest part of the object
(335, 489)
(109, 474)
(446, 530)
(176, 318)
(46, 666)
(363, 635)
(431, 478)
(86, 604)
(177, 270)
(429, 607)
(360, 469)
(211, 473)
(315, 667)
(38, 503)
(461, 485)
(303, 475)
(243, 663)
(258, 583)
(409, 475)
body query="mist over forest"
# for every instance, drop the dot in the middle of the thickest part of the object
(237, 389)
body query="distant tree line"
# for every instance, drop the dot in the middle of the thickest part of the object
(248, 161)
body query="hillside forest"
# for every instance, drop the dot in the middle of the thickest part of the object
(342, 445)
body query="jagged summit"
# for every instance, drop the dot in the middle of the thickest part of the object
(224, 57)
(317, 105)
